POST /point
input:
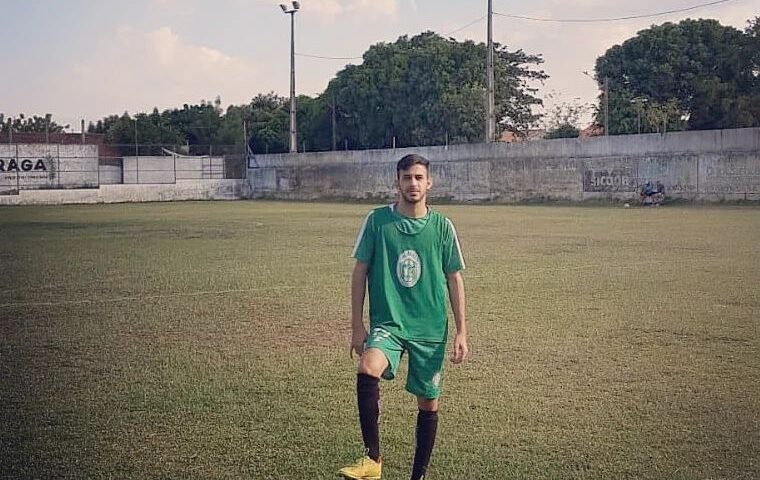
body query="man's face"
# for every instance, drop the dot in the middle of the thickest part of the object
(414, 183)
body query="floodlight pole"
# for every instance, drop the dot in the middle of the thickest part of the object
(291, 10)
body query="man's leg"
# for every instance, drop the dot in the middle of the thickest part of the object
(427, 426)
(425, 368)
(380, 359)
(371, 366)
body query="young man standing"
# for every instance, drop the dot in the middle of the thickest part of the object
(408, 257)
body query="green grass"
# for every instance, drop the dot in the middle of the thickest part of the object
(209, 340)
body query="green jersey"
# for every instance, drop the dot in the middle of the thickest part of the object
(408, 259)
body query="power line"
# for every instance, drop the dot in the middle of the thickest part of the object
(462, 28)
(555, 20)
(328, 58)
(611, 19)
(323, 57)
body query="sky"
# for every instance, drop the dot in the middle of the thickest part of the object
(86, 59)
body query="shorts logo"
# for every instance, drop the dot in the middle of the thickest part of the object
(379, 334)
(408, 268)
(437, 379)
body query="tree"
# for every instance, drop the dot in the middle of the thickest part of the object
(700, 69)
(314, 123)
(564, 119)
(427, 90)
(35, 124)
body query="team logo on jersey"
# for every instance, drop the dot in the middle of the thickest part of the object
(408, 268)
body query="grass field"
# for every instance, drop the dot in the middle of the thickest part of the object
(209, 340)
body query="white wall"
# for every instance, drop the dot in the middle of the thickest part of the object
(182, 190)
(35, 166)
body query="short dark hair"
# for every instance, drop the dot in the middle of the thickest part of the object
(410, 160)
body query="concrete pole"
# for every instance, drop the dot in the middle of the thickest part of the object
(293, 144)
(137, 156)
(606, 106)
(490, 121)
(245, 138)
(333, 125)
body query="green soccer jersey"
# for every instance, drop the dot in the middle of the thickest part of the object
(408, 259)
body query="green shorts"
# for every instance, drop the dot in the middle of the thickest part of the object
(425, 361)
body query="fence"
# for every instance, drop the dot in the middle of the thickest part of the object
(59, 166)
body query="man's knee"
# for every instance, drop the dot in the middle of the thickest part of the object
(373, 363)
(427, 404)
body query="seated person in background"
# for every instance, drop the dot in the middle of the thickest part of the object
(645, 196)
(659, 193)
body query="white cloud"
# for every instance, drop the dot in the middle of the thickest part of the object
(135, 70)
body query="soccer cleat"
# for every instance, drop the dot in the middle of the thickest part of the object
(364, 469)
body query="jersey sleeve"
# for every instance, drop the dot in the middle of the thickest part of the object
(453, 261)
(364, 248)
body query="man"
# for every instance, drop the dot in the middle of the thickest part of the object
(659, 193)
(408, 256)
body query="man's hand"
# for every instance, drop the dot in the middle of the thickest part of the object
(358, 339)
(460, 348)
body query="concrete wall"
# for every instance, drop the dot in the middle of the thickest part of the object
(182, 190)
(167, 169)
(706, 165)
(45, 166)
(111, 174)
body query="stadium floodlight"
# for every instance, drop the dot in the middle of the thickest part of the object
(291, 9)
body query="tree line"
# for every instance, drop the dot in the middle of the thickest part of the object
(691, 75)
(430, 90)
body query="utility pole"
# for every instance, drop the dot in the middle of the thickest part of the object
(606, 106)
(333, 124)
(490, 123)
(245, 142)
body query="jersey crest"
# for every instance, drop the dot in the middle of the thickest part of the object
(408, 268)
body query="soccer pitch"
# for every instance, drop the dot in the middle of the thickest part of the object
(210, 340)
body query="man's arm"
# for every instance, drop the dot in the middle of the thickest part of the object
(358, 290)
(456, 295)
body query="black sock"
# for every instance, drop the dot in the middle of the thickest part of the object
(427, 425)
(368, 398)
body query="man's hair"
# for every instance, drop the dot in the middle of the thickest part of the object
(410, 160)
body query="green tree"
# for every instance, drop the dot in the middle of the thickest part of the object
(269, 124)
(33, 124)
(104, 125)
(426, 90)
(196, 124)
(564, 119)
(314, 123)
(699, 72)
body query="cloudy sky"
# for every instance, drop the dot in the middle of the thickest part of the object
(85, 59)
